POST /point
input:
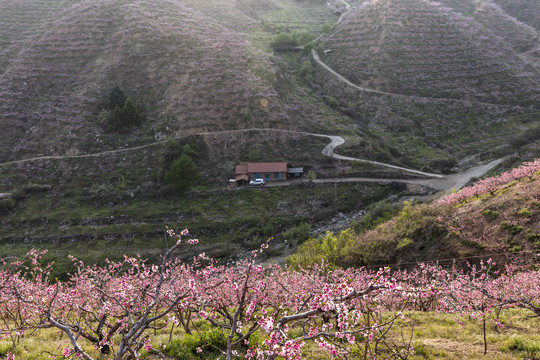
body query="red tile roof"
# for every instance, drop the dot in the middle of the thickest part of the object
(241, 177)
(267, 167)
(240, 169)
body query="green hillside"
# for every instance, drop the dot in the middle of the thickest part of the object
(495, 217)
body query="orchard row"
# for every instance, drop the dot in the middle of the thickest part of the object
(112, 309)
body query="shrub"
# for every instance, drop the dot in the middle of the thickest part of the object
(117, 98)
(327, 27)
(307, 254)
(5, 348)
(306, 71)
(182, 174)
(185, 348)
(6, 205)
(284, 39)
(404, 243)
(513, 228)
(299, 233)
(377, 213)
(531, 235)
(490, 214)
(332, 102)
(524, 212)
(529, 346)
(120, 111)
(121, 117)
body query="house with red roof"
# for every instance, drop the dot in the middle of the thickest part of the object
(269, 171)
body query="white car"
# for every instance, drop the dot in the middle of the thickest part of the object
(256, 182)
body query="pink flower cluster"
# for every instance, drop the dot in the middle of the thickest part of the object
(116, 306)
(492, 184)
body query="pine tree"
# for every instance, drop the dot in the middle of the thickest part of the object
(182, 174)
(130, 113)
(117, 98)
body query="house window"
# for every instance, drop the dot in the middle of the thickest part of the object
(257, 176)
(267, 176)
(277, 176)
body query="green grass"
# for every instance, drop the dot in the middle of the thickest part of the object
(434, 336)
(440, 336)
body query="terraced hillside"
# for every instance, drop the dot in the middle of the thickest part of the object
(415, 47)
(503, 32)
(191, 67)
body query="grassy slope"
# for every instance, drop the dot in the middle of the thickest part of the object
(481, 227)
(434, 336)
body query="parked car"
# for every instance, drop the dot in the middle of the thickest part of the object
(256, 182)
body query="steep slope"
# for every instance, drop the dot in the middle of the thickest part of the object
(416, 47)
(189, 71)
(527, 11)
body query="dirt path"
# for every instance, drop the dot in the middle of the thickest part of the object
(436, 181)
(338, 140)
(327, 151)
(344, 79)
(347, 9)
(443, 184)
(62, 157)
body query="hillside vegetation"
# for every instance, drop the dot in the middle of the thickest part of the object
(523, 10)
(493, 218)
(207, 74)
(189, 67)
(460, 78)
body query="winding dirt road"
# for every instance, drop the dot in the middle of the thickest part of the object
(338, 140)
(436, 181)
(327, 151)
(343, 78)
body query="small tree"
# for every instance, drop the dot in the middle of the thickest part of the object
(117, 98)
(131, 115)
(182, 174)
(124, 116)
(306, 71)
(311, 176)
